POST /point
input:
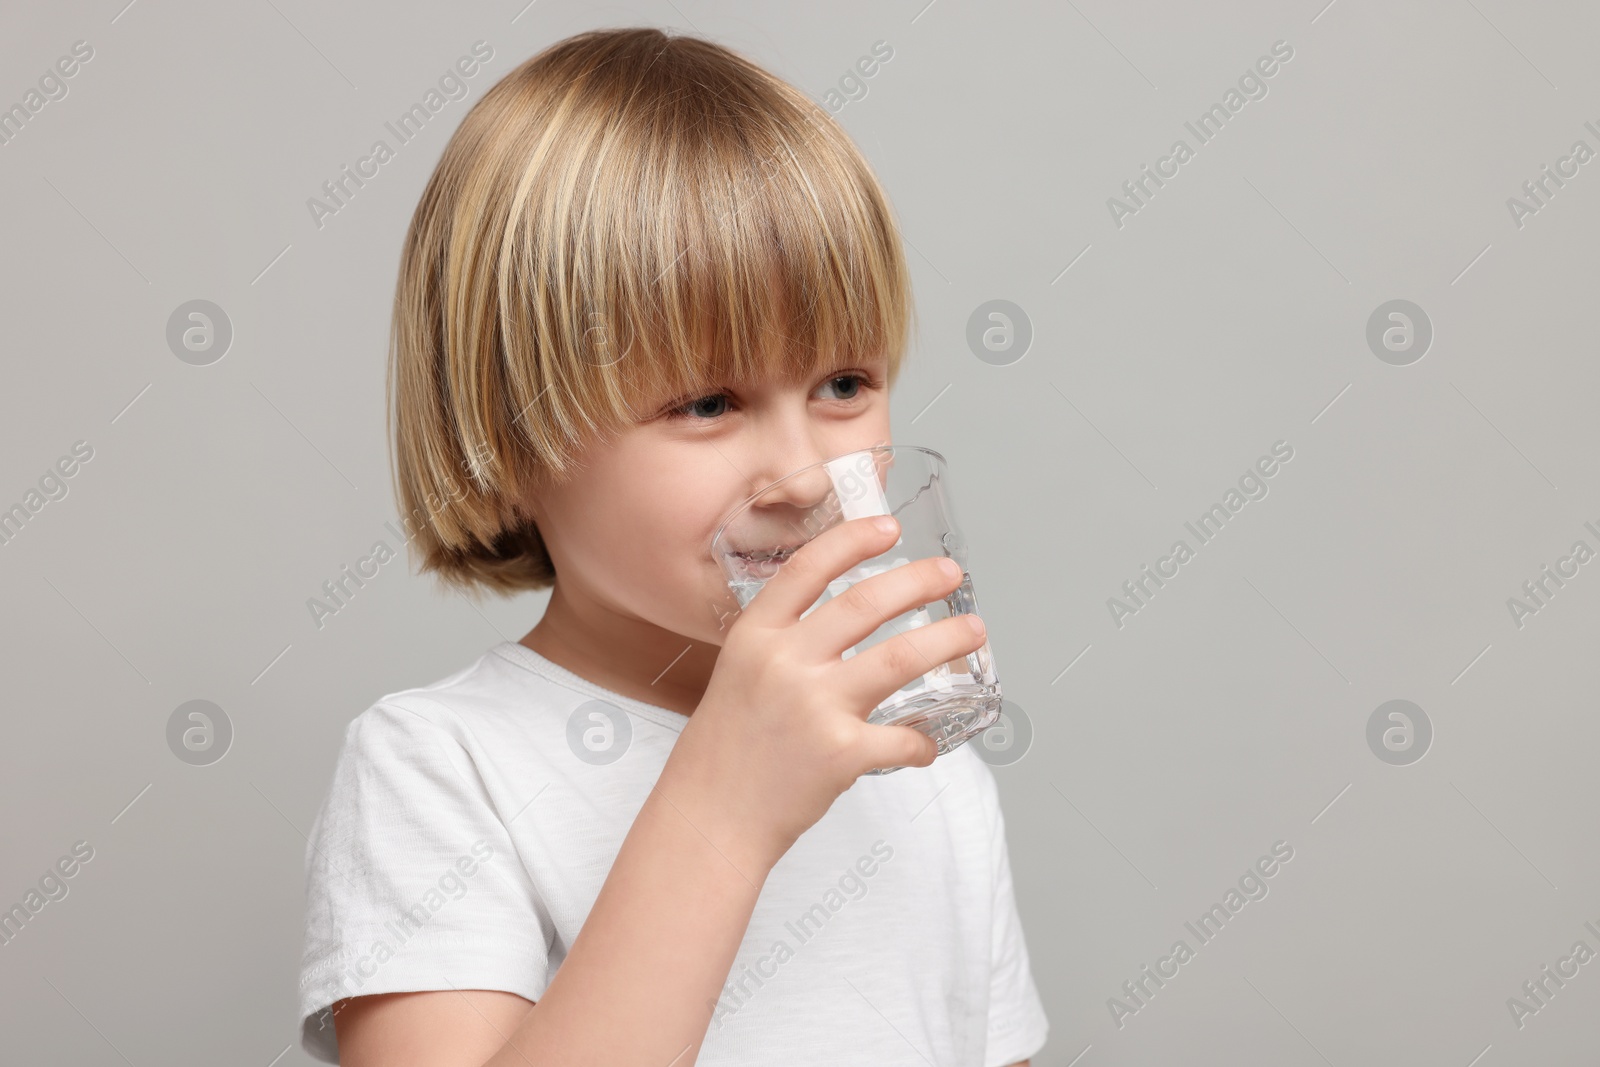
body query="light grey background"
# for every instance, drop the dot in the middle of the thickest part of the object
(1168, 354)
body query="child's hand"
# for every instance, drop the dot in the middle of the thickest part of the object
(781, 730)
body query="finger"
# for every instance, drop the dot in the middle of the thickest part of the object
(884, 747)
(855, 614)
(801, 580)
(870, 676)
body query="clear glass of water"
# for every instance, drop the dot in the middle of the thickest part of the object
(952, 701)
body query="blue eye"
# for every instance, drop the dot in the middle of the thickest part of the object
(860, 380)
(685, 411)
(694, 408)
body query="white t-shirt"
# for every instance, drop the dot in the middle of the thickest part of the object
(470, 825)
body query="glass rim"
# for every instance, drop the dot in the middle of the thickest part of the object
(739, 508)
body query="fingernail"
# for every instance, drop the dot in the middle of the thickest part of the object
(950, 567)
(976, 624)
(885, 523)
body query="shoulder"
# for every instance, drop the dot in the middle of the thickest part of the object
(472, 709)
(492, 736)
(488, 688)
(420, 749)
(420, 776)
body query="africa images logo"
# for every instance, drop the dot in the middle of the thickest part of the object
(451, 85)
(1252, 85)
(1252, 886)
(453, 884)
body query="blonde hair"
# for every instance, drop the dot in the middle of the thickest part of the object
(628, 214)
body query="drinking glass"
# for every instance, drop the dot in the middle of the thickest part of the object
(952, 701)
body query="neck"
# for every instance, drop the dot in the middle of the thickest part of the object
(623, 654)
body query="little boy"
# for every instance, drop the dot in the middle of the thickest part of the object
(646, 279)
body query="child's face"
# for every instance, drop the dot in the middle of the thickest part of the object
(630, 533)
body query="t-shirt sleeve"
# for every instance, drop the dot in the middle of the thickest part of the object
(412, 881)
(1017, 1022)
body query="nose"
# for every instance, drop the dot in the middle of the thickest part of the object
(828, 490)
(785, 485)
(783, 437)
(794, 493)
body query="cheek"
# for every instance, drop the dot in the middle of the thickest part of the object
(632, 530)
(872, 428)
(645, 538)
(681, 586)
